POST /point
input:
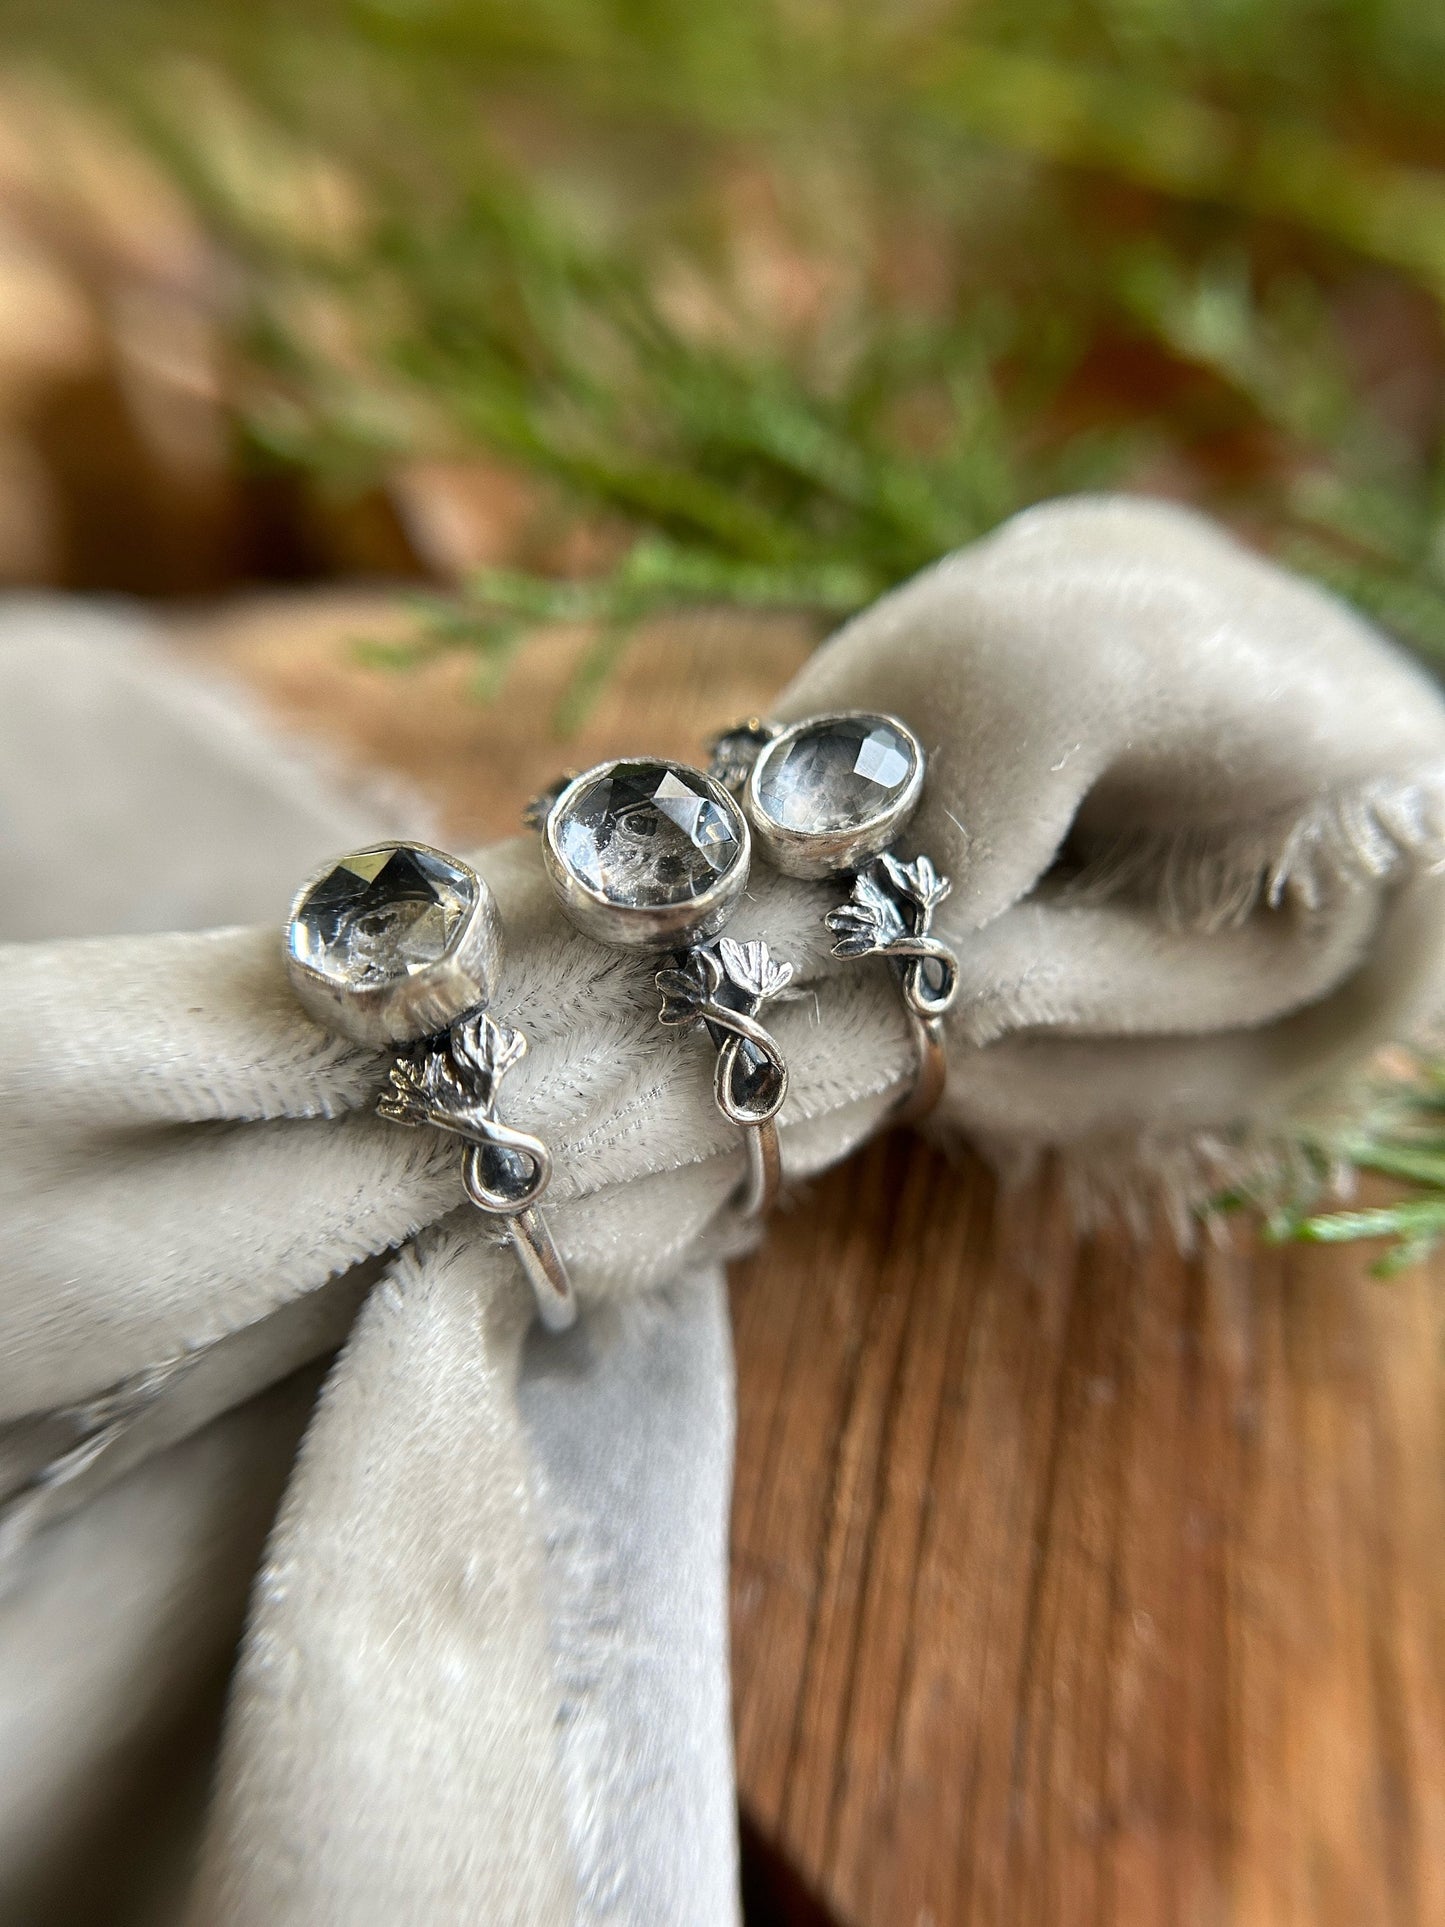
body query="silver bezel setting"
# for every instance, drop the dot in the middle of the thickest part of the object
(425, 1001)
(672, 926)
(822, 853)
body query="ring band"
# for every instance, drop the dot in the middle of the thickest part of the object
(399, 945)
(827, 797)
(653, 855)
(722, 985)
(451, 1082)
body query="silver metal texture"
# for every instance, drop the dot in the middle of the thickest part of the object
(636, 926)
(732, 754)
(801, 851)
(451, 1082)
(711, 981)
(402, 1008)
(889, 911)
(721, 986)
(451, 1053)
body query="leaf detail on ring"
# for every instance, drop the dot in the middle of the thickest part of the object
(485, 1045)
(410, 1096)
(426, 1089)
(453, 1084)
(917, 882)
(868, 922)
(685, 989)
(753, 969)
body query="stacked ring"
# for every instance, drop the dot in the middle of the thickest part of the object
(397, 946)
(826, 797)
(653, 855)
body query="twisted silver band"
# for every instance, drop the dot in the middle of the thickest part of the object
(888, 915)
(721, 986)
(859, 778)
(451, 1082)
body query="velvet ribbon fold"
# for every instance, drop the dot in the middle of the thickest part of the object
(1193, 811)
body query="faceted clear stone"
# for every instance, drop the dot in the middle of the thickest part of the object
(382, 915)
(647, 835)
(838, 774)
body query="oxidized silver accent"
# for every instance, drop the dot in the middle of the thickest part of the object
(711, 981)
(633, 925)
(403, 1007)
(539, 807)
(722, 986)
(451, 1082)
(734, 752)
(815, 851)
(889, 912)
(453, 1053)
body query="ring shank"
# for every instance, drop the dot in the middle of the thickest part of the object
(765, 1169)
(931, 1073)
(546, 1273)
(536, 1252)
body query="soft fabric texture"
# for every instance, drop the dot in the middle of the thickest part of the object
(131, 1523)
(134, 798)
(1194, 812)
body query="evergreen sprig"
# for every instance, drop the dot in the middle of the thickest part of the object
(1400, 1136)
(1022, 246)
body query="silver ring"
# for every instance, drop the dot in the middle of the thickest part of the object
(829, 796)
(398, 946)
(653, 855)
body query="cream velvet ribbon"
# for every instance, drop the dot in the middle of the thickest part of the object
(1194, 812)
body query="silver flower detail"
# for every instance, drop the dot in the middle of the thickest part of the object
(890, 914)
(690, 989)
(487, 1047)
(753, 969)
(453, 1084)
(686, 988)
(870, 921)
(421, 1089)
(918, 882)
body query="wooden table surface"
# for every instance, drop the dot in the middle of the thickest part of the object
(1073, 1580)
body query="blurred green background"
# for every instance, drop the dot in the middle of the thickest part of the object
(588, 308)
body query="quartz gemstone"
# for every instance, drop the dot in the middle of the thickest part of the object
(836, 774)
(647, 835)
(381, 915)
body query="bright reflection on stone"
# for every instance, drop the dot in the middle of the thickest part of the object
(382, 915)
(646, 835)
(836, 775)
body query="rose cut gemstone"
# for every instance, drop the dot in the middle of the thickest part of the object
(647, 835)
(836, 774)
(382, 915)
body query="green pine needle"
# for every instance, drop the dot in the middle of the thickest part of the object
(984, 255)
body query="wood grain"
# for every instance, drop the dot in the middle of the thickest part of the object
(477, 759)
(1075, 1582)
